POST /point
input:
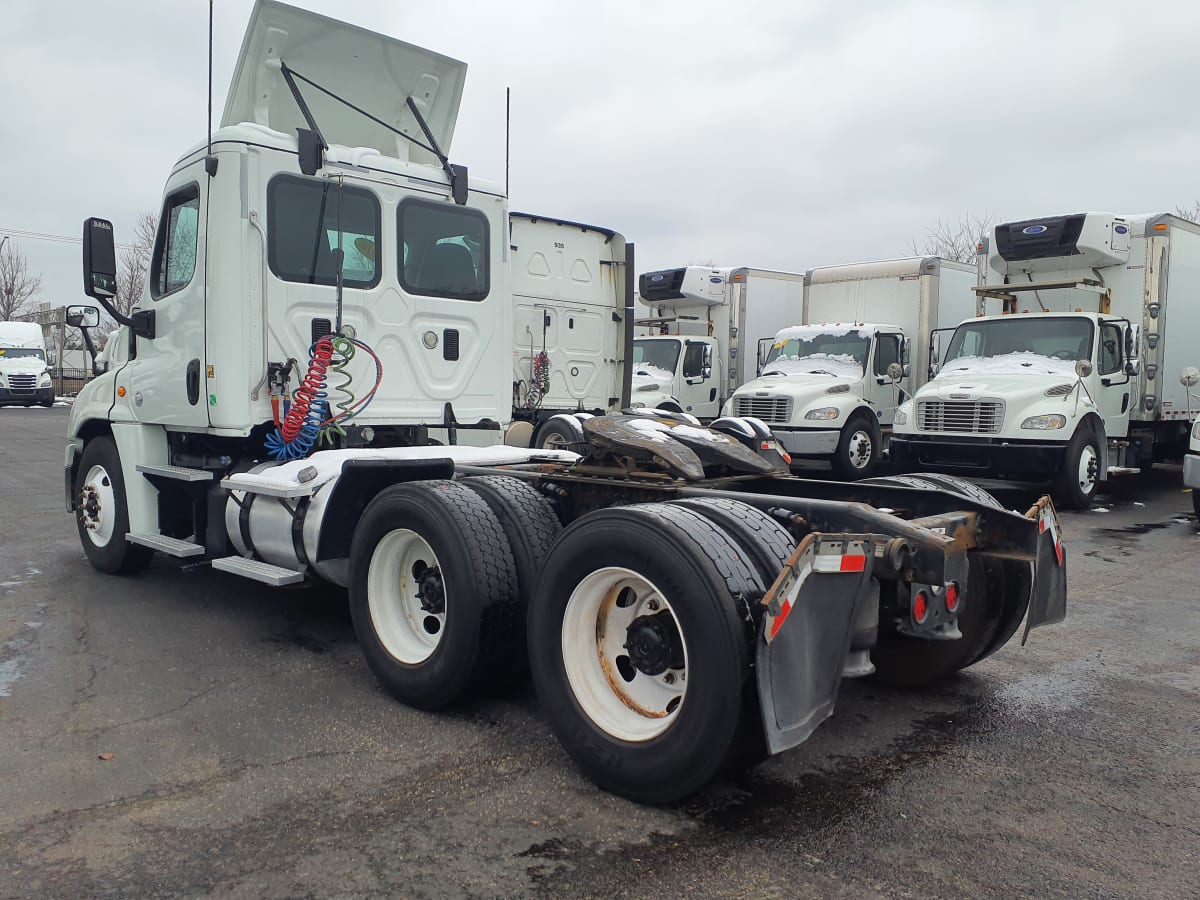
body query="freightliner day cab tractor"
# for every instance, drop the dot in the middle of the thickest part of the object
(24, 378)
(829, 388)
(683, 604)
(701, 343)
(1077, 379)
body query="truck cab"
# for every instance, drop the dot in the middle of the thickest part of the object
(829, 392)
(24, 378)
(677, 374)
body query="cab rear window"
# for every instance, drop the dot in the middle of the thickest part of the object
(443, 250)
(310, 219)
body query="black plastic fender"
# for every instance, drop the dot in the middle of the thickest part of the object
(806, 633)
(1048, 599)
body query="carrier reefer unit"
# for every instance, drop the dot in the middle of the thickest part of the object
(1078, 379)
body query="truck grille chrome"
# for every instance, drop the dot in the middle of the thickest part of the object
(22, 382)
(962, 416)
(772, 410)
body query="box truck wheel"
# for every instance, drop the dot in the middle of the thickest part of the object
(559, 433)
(531, 528)
(639, 648)
(1074, 484)
(857, 452)
(433, 590)
(102, 513)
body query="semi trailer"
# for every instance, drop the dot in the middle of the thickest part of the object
(829, 388)
(682, 603)
(1076, 380)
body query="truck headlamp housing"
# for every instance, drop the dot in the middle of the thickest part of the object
(44, 380)
(824, 413)
(901, 417)
(1045, 423)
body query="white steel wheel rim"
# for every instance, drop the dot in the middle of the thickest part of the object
(98, 504)
(594, 628)
(556, 441)
(407, 630)
(1086, 474)
(859, 449)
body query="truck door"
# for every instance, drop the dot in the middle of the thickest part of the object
(167, 378)
(1116, 388)
(698, 392)
(883, 394)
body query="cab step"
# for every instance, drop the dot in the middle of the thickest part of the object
(276, 576)
(179, 473)
(168, 545)
(252, 484)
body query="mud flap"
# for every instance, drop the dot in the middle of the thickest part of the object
(806, 633)
(1048, 600)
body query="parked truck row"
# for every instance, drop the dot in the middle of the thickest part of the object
(316, 383)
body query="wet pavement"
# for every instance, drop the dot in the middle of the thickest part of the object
(253, 754)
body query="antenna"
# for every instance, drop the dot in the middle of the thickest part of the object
(210, 161)
(507, 129)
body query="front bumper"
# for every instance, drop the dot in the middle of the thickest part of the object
(806, 441)
(977, 456)
(1191, 470)
(36, 395)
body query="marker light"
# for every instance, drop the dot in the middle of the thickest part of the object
(1160, 227)
(951, 597)
(920, 607)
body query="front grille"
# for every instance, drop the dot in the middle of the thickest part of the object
(773, 410)
(962, 416)
(22, 382)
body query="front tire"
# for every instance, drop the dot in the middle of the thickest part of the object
(857, 453)
(102, 511)
(640, 647)
(433, 591)
(1075, 483)
(558, 435)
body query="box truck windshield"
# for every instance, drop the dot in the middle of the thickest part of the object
(842, 354)
(657, 354)
(1020, 345)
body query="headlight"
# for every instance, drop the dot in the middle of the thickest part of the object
(901, 417)
(44, 379)
(1045, 423)
(824, 412)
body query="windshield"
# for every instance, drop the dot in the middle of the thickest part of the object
(21, 353)
(1019, 344)
(820, 352)
(649, 356)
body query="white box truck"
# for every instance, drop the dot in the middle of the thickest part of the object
(677, 595)
(827, 389)
(1076, 380)
(702, 341)
(24, 378)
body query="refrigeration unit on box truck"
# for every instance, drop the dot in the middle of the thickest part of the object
(829, 388)
(702, 341)
(1078, 379)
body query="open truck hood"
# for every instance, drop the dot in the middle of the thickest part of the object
(374, 72)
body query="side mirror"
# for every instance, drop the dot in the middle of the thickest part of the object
(706, 368)
(1083, 367)
(905, 351)
(1189, 377)
(895, 371)
(83, 316)
(99, 259)
(1132, 344)
(935, 350)
(1132, 367)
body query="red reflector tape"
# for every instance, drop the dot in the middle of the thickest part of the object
(837, 563)
(784, 611)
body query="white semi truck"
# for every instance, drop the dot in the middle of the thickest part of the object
(683, 604)
(829, 388)
(702, 342)
(1077, 379)
(1191, 467)
(24, 378)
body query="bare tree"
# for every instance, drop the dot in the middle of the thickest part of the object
(1191, 213)
(135, 263)
(17, 285)
(954, 240)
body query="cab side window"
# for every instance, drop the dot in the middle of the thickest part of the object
(693, 360)
(174, 261)
(1111, 338)
(887, 351)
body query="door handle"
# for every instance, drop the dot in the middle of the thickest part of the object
(193, 381)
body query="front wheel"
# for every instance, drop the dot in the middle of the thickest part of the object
(1075, 483)
(102, 511)
(857, 452)
(558, 434)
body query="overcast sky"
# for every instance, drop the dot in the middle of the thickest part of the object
(777, 134)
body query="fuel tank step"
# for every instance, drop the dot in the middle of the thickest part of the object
(179, 473)
(276, 576)
(168, 545)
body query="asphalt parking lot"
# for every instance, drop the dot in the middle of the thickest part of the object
(254, 755)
